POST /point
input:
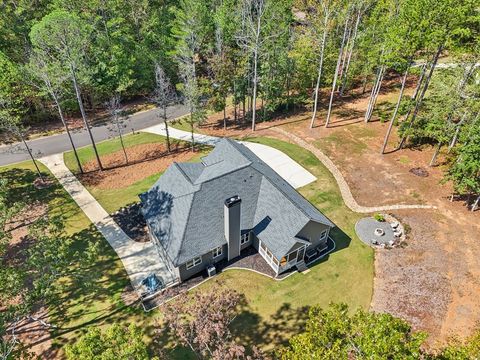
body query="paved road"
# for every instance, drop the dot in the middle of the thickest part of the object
(55, 144)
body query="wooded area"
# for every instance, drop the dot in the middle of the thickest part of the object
(62, 58)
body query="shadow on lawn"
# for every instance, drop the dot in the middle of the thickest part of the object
(252, 330)
(90, 290)
(92, 294)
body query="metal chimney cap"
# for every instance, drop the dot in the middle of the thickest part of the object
(232, 201)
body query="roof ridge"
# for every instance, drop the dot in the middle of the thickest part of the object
(176, 164)
(285, 182)
(276, 186)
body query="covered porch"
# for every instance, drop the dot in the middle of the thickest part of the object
(289, 260)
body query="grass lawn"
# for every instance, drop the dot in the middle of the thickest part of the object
(113, 199)
(90, 295)
(278, 309)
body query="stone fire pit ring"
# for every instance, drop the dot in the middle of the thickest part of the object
(375, 233)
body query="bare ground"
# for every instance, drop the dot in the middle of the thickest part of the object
(433, 282)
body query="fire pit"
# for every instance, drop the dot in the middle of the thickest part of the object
(379, 232)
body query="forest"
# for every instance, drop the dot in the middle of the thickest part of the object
(65, 58)
(257, 60)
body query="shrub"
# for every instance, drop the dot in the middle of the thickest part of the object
(379, 217)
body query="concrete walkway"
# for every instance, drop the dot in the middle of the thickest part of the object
(287, 168)
(139, 259)
(342, 184)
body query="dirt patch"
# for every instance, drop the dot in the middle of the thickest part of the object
(34, 332)
(18, 228)
(433, 281)
(419, 171)
(145, 160)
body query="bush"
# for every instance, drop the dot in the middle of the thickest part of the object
(379, 217)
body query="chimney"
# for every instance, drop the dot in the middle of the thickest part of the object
(232, 225)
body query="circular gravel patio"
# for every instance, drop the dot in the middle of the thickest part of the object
(365, 229)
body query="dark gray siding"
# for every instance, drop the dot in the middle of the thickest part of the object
(207, 259)
(312, 231)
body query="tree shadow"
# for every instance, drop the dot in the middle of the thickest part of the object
(252, 330)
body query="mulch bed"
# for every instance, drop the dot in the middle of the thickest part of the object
(132, 222)
(419, 171)
(144, 160)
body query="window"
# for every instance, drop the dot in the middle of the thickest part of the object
(217, 252)
(292, 256)
(263, 246)
(245, 238)
(323, 234)
(194, 262)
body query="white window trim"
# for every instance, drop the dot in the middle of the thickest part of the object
(194, 262)
(323, 234)
(245, 238)
(216, 251)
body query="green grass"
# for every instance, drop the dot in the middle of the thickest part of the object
(90, 295)
(278, 309)
(87, 154)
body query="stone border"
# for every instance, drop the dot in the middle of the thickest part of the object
(347, 196)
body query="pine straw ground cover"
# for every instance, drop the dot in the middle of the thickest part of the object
(119, 184)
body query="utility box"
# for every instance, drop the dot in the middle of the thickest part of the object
(211, 270)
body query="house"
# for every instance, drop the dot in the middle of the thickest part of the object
(201, 213)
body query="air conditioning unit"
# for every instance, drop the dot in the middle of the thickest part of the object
(211, 270)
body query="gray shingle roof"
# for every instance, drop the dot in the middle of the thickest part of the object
(184, 208)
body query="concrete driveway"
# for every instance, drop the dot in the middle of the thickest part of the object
(286, 167)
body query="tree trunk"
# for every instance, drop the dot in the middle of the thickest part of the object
(344, 82)
(377, 91)
(167, 133)
(319, 76)
(254, 95)
(121, 139)
(475, 205)
(335, 77)
(243, 109)
(422, 94)
(234, 103)
(84, 117)
(392, 121)
(372, 92)
(344, 58)
(31, 156)
(435, 154)
(62, 118)
(419, 83)
(191, 133)
(225, 116)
